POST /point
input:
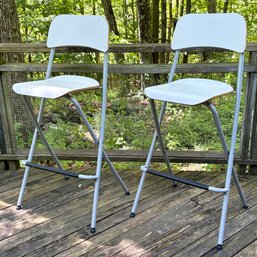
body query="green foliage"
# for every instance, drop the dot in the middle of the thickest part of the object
(65, 135)
(127, 124)
(35, 15)
(19, 136)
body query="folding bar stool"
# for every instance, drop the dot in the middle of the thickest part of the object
(67, 31)
(225, 31)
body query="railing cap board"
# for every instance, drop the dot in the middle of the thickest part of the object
(132, 155)
(127, 68)
(114, 48)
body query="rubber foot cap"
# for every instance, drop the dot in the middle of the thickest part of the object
(245, 207)
(219, 247)
(132, 215)
(127, 193)
(92, 230)
(18, 207)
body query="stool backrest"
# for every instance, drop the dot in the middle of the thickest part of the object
(79, 30)
(219, 30)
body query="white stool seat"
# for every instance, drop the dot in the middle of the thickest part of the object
(188, 91)
(56, 86)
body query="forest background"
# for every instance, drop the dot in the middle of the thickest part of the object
(131, 21)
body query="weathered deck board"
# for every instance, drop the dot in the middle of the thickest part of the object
(160, 210)
(248, 251)
(180, 221)
(198, 223)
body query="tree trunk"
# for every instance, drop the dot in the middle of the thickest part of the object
(155, 25)
(188, 6)
(113, 25)
(144, 31)
(163, 28)
(143, 11)
(133, 10)
(81, 7)
(170, 21)
(144, 25)
(225, 7)
(10, 29)
(177, 8)
(10, 33)
(125, 21)
(211, 6)
(169, 28)
(182, 8)
(175, 18)
(188, 10)
(110, 16)
(94, 8)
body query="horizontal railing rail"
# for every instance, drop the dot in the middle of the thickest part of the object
(128, 68)
(114, 48)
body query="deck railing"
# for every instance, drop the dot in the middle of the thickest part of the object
(246, 157)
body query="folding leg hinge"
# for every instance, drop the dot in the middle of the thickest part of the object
(143, 168)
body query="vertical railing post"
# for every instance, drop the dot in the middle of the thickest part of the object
(248, 120)
(249, 129)
(7, 134)
(2, 143)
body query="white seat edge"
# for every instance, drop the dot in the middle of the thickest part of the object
(56, 87)
(191, 91)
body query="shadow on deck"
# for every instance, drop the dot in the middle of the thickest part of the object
(180, 221)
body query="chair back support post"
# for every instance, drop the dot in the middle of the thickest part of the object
(173, 66)
(50, 63)
(236, 116)
(105, 71)
(152, 147)
(103, 115)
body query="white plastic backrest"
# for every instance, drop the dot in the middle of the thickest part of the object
(79, 30)
(221, 30)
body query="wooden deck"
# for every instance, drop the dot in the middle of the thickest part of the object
(180, 221)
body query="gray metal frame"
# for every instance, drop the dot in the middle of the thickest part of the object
(99, 142)
(229, 153)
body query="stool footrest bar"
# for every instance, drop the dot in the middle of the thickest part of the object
(58, 171)
(178, 179)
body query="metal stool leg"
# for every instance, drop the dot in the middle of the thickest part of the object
(31, 153)
(26, 172)
(99, 162)
(231, 152)
(95, 202)
(40, 131)
(225, 204)
(105, 156)
(226, 152)
(139, 190)
(159, 137)
(147, 164)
